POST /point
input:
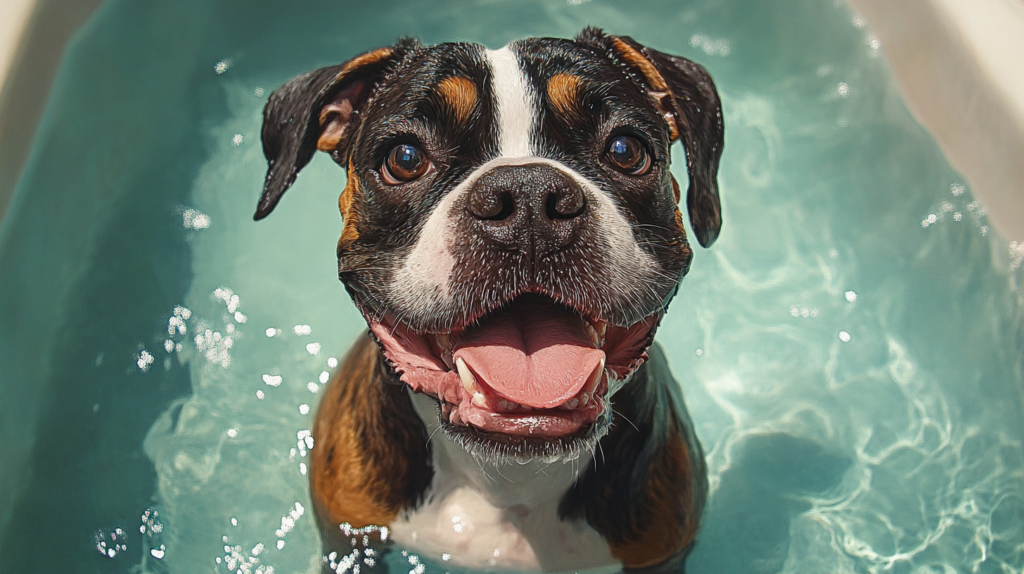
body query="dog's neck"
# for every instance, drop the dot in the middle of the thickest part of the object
(509, 484)
(498, 513)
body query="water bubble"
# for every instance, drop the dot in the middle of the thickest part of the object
(144, 360)
(111, 543)
(194, 219)
(711, 46)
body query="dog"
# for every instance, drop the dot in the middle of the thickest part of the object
(512, 236)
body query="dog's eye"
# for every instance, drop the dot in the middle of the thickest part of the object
(404, 163)
(628, 155)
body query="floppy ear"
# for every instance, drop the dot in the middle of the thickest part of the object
(685, 95)
(317, 110)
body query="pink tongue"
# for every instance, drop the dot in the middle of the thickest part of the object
(532, 353)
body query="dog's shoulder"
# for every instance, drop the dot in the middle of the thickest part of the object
(645, 492)
(370, 461)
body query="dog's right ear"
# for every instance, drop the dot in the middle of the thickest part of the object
(318, 110)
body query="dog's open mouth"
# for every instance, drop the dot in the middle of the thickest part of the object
(531, 368)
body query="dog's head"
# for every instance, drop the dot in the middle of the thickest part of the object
(511, 228)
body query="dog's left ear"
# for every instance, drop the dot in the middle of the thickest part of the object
(318, 110)
(686, 97)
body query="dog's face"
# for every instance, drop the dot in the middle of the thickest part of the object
(511, 230)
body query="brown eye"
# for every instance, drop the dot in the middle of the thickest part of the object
(628, 155)
(404, 163)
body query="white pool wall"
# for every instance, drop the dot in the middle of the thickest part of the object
(13, 18)
(960, 67)
(33, 38)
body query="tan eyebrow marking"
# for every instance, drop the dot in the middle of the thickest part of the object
(660, 92)
(563, 93)
(460, 95)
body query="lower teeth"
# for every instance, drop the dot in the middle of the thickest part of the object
(479, 401)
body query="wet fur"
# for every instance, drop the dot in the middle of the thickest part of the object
(644, 491)
(645, 487)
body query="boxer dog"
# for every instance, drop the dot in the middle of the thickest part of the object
(512, 237)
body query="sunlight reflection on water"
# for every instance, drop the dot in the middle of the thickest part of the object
(849, 349)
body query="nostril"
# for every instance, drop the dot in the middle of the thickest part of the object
(492, 206)
(564, 203)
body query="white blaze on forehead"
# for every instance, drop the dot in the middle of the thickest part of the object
(423, 281)
(515, 102)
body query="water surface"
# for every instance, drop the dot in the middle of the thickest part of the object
(850, 348)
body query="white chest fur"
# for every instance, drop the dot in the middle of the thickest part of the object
(498, 516)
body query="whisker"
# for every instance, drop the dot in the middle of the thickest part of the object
(625, 418)
(437, 428)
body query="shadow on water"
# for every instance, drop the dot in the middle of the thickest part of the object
(93, 258)
(746, 523)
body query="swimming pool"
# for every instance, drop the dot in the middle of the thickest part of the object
(850, 348)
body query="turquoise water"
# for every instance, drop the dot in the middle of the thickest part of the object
(850, 348)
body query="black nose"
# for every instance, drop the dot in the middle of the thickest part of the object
(528, 206)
